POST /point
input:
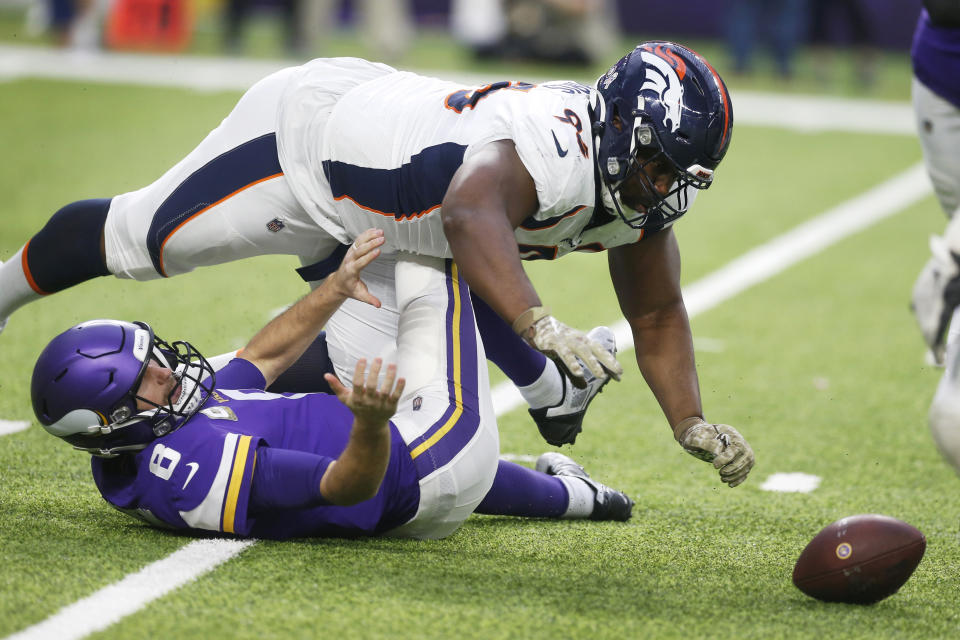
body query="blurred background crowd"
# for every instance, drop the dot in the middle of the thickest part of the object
(758, 36)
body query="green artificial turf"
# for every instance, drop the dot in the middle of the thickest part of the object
(821, 369)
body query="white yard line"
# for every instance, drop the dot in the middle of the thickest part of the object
(791, 483)
(114, 602)
(12, 426)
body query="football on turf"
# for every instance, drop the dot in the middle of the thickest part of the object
(860, 559)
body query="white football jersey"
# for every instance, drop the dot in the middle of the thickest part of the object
(380, 148)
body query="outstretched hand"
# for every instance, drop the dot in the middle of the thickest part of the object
(363, 251)
(719, 444)
(571, 348)
(371, 407)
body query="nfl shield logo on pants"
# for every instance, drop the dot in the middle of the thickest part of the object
(275, 225)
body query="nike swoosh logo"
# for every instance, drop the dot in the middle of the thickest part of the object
(193, 469)
(560, 150)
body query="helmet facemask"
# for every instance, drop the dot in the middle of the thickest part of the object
(646, 152)
(195, 378)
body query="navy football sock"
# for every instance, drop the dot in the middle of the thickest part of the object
(66, 251)
(519, 491)
(519, 361)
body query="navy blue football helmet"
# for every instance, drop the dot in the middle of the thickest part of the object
(85, 384)
(660, 102)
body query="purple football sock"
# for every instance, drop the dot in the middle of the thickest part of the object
(519, 491)
(522, 363)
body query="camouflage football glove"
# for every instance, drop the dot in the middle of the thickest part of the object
(720, 444)
(936, 293)
(566, 345)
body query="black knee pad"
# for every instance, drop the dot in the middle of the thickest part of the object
(67, 250)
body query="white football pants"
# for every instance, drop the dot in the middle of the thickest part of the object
(446, 414)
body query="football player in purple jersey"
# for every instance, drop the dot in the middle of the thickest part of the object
(180, 445)
(313, 155)
(936, 293)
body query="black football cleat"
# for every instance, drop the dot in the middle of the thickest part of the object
(561, 423)
(608, 503)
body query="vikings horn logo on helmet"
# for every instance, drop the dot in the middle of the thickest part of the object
(663, 79)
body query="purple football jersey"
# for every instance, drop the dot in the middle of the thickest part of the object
(199, 476)
(936, 58)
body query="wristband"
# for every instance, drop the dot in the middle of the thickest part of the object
(528, 318)
(682, 426)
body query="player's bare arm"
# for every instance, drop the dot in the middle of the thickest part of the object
(286, 337)
(490, 195)
(356, 475)
(646, 277)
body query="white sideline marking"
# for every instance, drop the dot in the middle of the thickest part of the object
(767, 260)
(795, 112)
(12, 426)
(116, 601)
(816, 114)
(182, 72)
(791, 483)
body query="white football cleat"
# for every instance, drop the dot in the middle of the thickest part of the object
(561, 423)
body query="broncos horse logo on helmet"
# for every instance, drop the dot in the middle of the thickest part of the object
(85, 383)
(659, 102)
(667, 82)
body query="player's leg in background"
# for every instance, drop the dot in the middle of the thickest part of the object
(558, 488)
(938, 126)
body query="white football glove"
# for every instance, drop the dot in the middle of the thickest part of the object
(566, 345)
(720, 444)
(936, 293)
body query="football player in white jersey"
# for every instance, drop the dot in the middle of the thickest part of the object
(313, 155)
